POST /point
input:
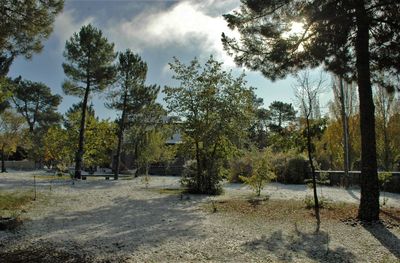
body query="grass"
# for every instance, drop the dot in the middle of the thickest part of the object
(170, 191)
(292, 210)
(12, 202)
(53, 177)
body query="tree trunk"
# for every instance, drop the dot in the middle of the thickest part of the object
(314, 180)
(369, 202)
(3, 161)
(199, 172)
(120, 136)
(79, 153)
(345, 133)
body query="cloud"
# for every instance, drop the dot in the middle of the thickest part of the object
(66, 24)
(189, 24)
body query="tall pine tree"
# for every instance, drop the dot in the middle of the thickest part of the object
(353, 39)
(130, 95)
(89, 57)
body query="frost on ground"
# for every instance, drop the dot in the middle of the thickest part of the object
(124, 221)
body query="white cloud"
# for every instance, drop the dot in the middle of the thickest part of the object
(188, 24)
(66, 24)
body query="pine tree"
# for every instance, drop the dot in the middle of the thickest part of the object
(353, 39)
(23, 27)
(89, 57)
(131, 94)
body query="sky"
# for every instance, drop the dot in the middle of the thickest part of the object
(157, 30)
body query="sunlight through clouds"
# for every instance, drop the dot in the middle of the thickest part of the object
(188, 24)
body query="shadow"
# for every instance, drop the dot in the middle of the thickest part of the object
(351, 193)
(390, 241)
(122, 227)
(390, 215)
(286, 247)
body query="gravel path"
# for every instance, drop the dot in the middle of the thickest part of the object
(123, 221)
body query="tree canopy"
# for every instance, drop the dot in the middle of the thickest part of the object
(23, 27)
(35, 102)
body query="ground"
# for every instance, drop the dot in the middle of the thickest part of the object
(124, 221)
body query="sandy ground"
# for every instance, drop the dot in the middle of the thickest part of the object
(123, 221)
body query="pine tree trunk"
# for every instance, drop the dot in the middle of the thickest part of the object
(79, 153)
(120, 136)
(3, 161)
(369, 202)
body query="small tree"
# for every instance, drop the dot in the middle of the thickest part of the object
(307, 93)
(89, 69)
(262, 171)
(100, 138)
(217, 111)
(35, 102)
(58, 150)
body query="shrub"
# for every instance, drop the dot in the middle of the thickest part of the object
(261, 172)
(309, 202)
(290, 168)
(203, 184)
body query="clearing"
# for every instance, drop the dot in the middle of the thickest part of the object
(124, 221)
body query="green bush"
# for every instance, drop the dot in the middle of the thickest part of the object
(261, 172)
(309, 202)
(203, 184)
(290, 168)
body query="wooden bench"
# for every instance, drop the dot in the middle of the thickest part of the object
(105, 175)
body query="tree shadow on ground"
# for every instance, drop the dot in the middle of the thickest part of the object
(389, 240)
(351, 193)
(287, 247)
(121, 228)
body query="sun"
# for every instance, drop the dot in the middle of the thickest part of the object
(296, 28)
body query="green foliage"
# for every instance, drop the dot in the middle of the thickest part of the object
(58, 149)
(309, 202)
(36, 103)
(89, 59)
(268, 45)
(12, 201)
(384, 178)
(261, 172)
(24, 26)
(216, 110)
(290, 167)
(5, 92)
(240, 167)
(281, 114)
(335, 34)
(100, 139)
(11, 133)
(147, 134)
(190, 180)
(131, 96)
(151, 150)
